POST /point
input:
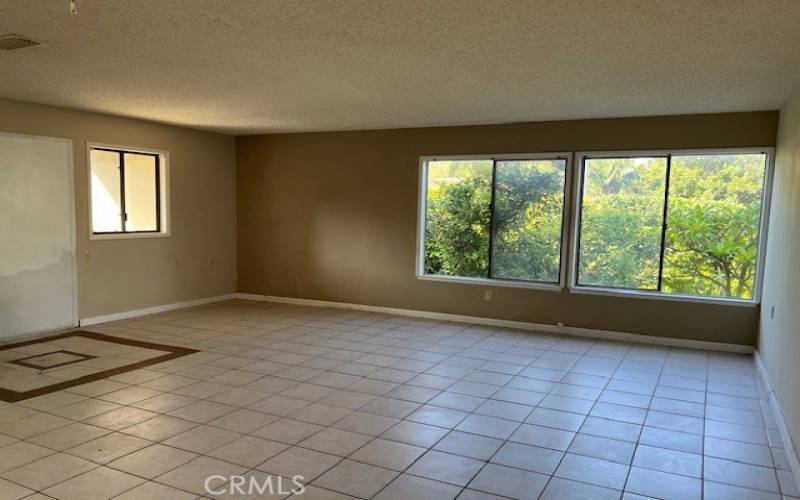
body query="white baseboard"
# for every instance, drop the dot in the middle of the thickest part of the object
(566, 330)
(96, 320)
(780, 420)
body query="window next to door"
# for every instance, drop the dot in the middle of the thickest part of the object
(128, 192)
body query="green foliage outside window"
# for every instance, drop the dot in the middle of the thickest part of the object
(712, 226)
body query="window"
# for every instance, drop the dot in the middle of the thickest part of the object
(493, 218)
(128, 190)
(679, 223)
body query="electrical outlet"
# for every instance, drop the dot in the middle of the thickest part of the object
(87, 256)
(487, 295)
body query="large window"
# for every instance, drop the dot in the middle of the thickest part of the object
(687, 224)
(127, 192)
(498, 218)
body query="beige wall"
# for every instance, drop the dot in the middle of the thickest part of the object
(128, 274)
(332, 216)
(779, 336)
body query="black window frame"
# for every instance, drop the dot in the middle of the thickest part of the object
(575, 236)
(123, 206)
(563, 254)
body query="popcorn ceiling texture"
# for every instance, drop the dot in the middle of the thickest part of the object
(306, 65)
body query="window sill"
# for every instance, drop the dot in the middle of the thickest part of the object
(127, 236)
(610, 292)
(551, 287)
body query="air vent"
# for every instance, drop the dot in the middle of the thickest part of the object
(14, 42)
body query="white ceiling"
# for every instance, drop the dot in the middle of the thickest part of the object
(240, 66)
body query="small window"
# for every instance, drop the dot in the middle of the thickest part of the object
(127, 192)
(680, 224)
(498, 219)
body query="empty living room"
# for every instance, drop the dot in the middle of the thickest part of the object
(400, 249)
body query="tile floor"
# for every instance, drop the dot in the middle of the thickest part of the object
(36, 366)
(375, 406)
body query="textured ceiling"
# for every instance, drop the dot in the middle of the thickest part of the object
(241, 66)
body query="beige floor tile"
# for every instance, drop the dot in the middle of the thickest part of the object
(469, 445)
(415, 433)
(388, 454)
(558, 489)
(248, 451)
(317, 493)
(202, 411)
(100, 484)
(164, 403)
(97, 388)
(418, 488)
(320, 414)
(152, 461)
(244, 421)
(52, 400)
(336, 442)
(356, 479)
(120, 418)
(202, 439)
(509, 482)
(129, 395)
(109, 447)
(366, 423)
(68, 436)
(11, 491)
(445, 467)
(239, 397)
(192, 476)
(279, 405)
(20, 453)
(85, 409)
(33, 425)
(201, 390)
(138, 376)
(299, 462)
(155, 491)
(10, 413)
(160, 428)
(49, 470)
(288, 431)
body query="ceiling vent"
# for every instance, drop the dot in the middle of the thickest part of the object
(14, 42)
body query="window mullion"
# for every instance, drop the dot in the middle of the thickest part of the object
(664, 225)
(491, 220)
(158, 193)
(123, 210)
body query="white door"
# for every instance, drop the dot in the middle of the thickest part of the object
(37, 236)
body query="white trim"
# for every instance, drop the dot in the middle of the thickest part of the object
(521, 325)
(674, 297)
(419, 261)
(96, 320)
(780, 420)
(164, 190)
(580, 156)
(531, 285)
(73, 230)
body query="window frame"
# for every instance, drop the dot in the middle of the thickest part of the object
(162, 192)
(577, 205)
(419, 263)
